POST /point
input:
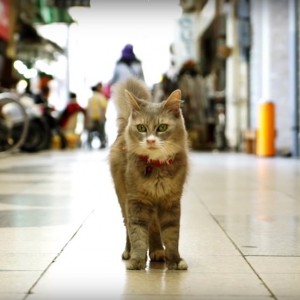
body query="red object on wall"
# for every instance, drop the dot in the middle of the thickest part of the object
(4, 19)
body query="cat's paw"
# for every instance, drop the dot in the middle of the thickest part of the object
(136, 264)
(181, 265)
(157, 255)
(125, 255)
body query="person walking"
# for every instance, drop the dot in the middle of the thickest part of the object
(48, 114)
(72, 108)
(127, 66)
(96, 115)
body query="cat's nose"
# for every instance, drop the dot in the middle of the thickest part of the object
(150, 142)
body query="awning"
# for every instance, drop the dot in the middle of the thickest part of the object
(70, 3)
(49, 13)
(30, 45)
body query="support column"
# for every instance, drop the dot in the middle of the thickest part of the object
(232, 81)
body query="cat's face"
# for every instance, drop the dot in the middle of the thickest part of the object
(156, 129)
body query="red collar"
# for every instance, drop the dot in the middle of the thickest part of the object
(155, 162)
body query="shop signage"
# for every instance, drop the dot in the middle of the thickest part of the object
(4, 19)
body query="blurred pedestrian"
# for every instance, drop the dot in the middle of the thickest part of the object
(127, 66)
(49, 115)
(42, 96)
(96, 115)
(70, 110)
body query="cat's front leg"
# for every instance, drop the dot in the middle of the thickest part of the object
(156, 248)
(139, 215)
(139, 247)
(126, 253)
(170, 223)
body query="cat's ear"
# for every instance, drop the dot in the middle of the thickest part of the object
(173, 102)
(132, 100)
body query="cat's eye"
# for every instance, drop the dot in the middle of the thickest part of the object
(141, 128)
(162, 128)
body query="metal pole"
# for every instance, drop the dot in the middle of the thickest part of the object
(294, 72)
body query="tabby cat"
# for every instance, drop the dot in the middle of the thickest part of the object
(149, 163)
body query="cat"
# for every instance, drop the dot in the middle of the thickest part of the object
(149, 165)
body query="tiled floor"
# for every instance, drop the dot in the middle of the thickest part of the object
(61, 234)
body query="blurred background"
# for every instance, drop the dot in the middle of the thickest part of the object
(236, 61)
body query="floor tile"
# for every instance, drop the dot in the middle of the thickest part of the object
(275, 264)
(281, 274)
(12, 296)
(17, 281)
(152, 283)
(60, 224)
(283, 285)
(25, 261)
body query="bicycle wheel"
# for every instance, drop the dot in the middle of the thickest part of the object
(38, 137)
(13, 122)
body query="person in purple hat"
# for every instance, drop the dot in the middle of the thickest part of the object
(127, 66)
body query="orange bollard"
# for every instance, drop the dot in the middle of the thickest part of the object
(265, 140)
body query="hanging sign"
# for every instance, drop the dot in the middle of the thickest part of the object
(4, 20)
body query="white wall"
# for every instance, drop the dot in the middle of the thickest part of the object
(270, 64)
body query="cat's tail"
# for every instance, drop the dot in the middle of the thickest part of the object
(136, 87)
